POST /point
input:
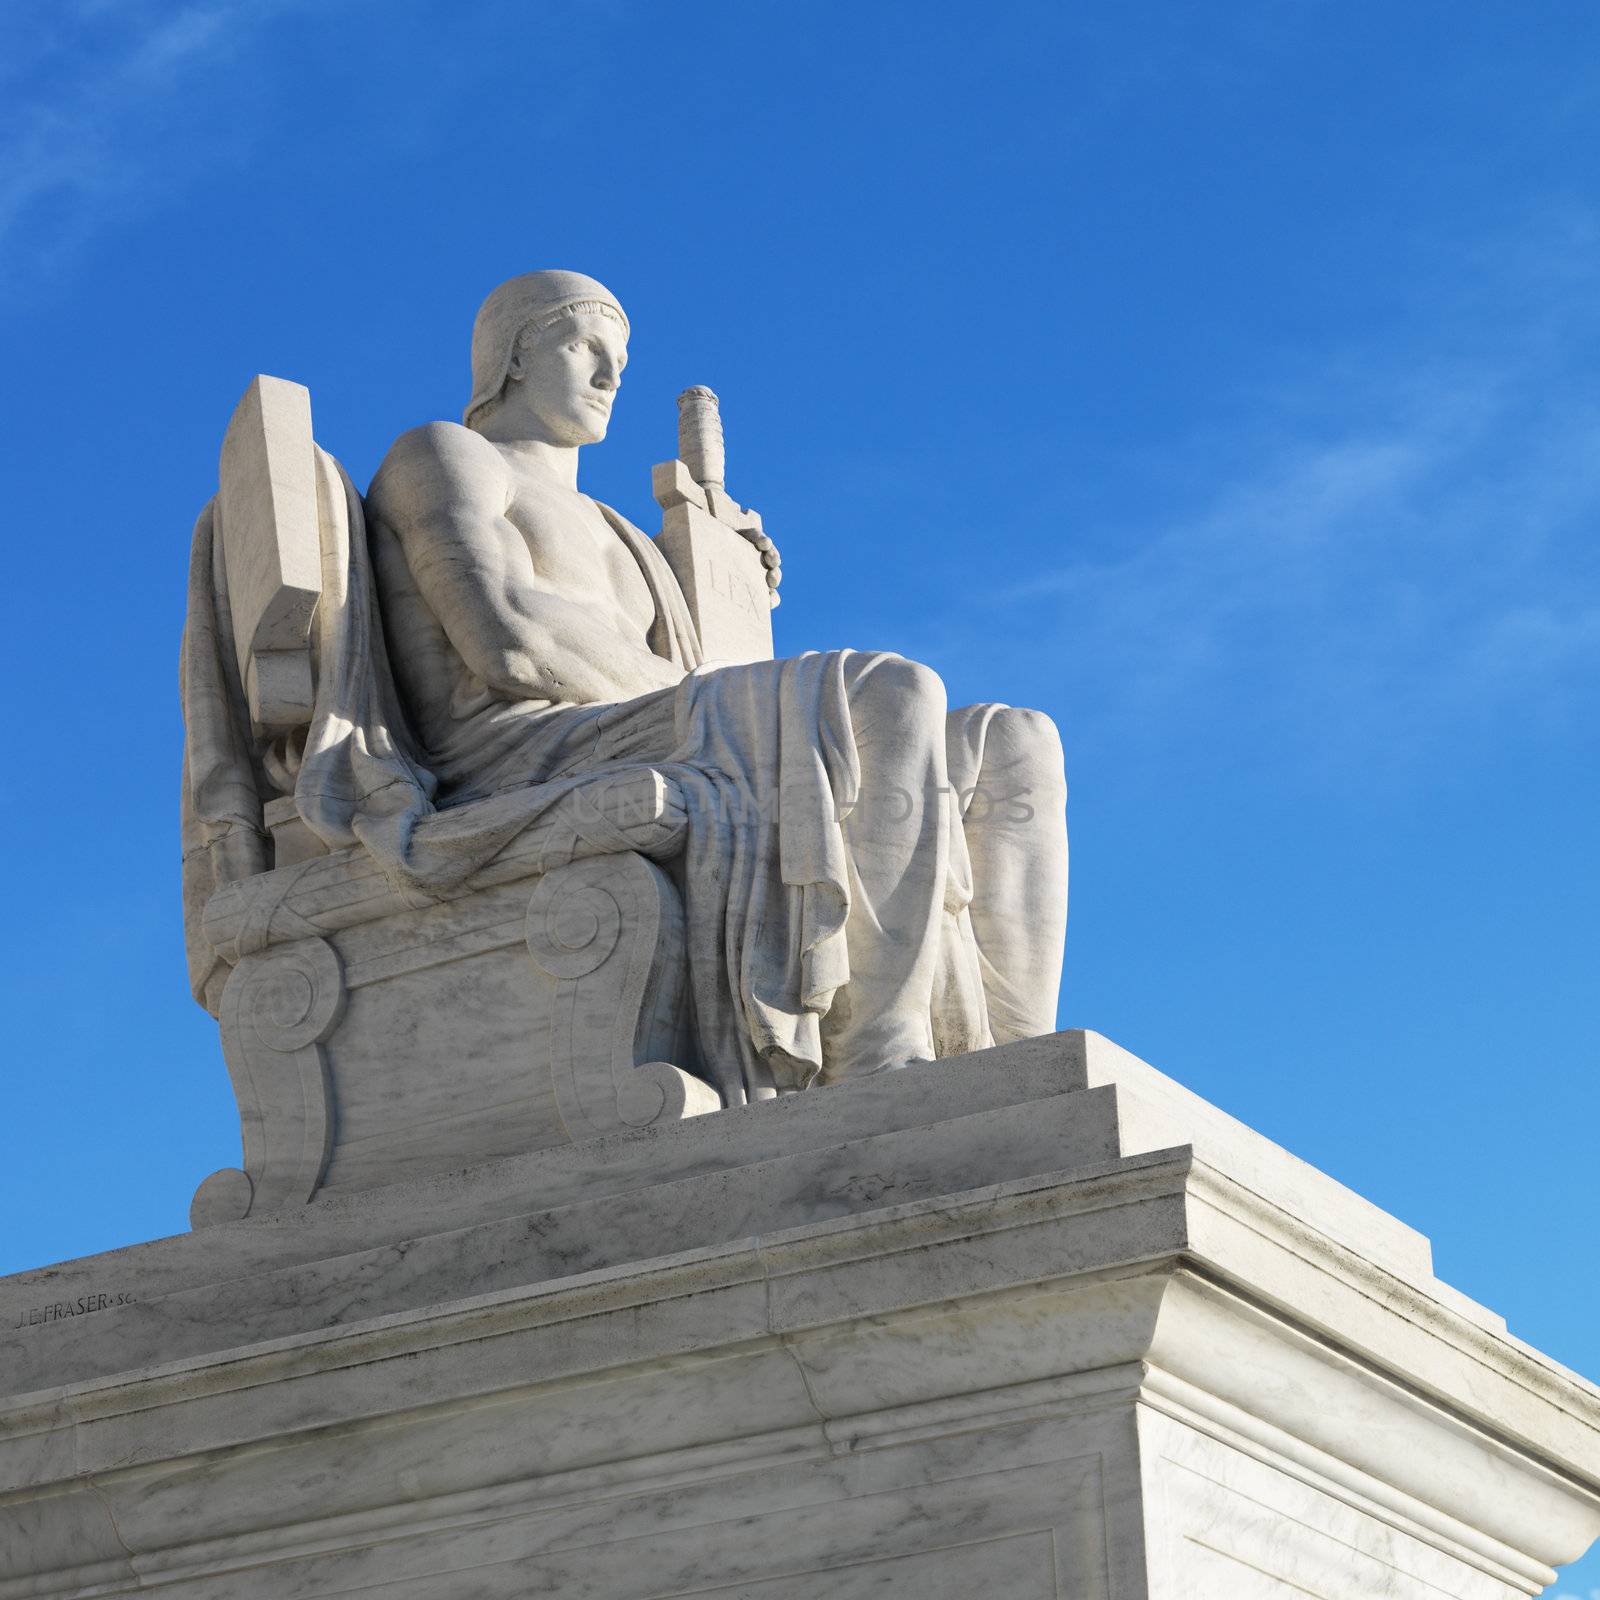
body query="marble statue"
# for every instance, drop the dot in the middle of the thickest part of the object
(868, 878)
(536, 634)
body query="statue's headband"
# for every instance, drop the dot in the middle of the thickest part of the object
(536, 300)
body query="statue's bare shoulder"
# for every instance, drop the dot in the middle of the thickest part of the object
(441, 470)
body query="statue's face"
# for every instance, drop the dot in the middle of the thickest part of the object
(567, 376)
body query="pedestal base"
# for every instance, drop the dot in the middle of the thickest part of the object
(1030, 1323)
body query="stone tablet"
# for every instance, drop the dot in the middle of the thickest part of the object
(272, 547)
(723, 580)
(706, 538)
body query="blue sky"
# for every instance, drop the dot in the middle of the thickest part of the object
(1224, 380)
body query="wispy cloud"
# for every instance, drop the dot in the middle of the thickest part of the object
(1416, 566)
(97, 116)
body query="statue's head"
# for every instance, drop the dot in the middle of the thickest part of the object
(553, 343)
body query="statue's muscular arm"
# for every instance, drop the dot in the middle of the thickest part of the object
(443, 490)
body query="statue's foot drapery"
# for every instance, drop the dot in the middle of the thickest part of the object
(1006, 768)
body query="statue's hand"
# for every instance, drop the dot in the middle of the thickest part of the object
(770, 559)
(674, 809)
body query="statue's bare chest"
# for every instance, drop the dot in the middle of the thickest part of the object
(578, 554)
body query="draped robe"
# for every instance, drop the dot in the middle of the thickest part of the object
(764, 756)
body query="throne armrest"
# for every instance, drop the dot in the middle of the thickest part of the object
(551, 983)
(638, 810)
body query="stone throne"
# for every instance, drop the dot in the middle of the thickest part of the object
(550, 982)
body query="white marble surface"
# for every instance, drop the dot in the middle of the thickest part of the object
(869, 877)
(928, 1332)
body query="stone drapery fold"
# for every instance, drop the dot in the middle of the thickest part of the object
(763, 756)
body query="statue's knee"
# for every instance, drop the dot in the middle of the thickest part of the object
(1025, 746)
(1029, 733)
(906, 691)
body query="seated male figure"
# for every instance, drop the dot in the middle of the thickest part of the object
(893, 878)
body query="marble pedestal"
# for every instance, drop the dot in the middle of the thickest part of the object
(1031, 1323)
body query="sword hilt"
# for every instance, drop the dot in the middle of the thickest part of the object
(700, 445)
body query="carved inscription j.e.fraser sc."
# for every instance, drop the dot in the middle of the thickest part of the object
(82, 1305)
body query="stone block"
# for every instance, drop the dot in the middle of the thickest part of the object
(967, 1326)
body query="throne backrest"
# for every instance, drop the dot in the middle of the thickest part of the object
(270, 527)
(274, 513)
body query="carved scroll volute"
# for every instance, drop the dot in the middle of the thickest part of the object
(609, 932)
(278, 1007)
